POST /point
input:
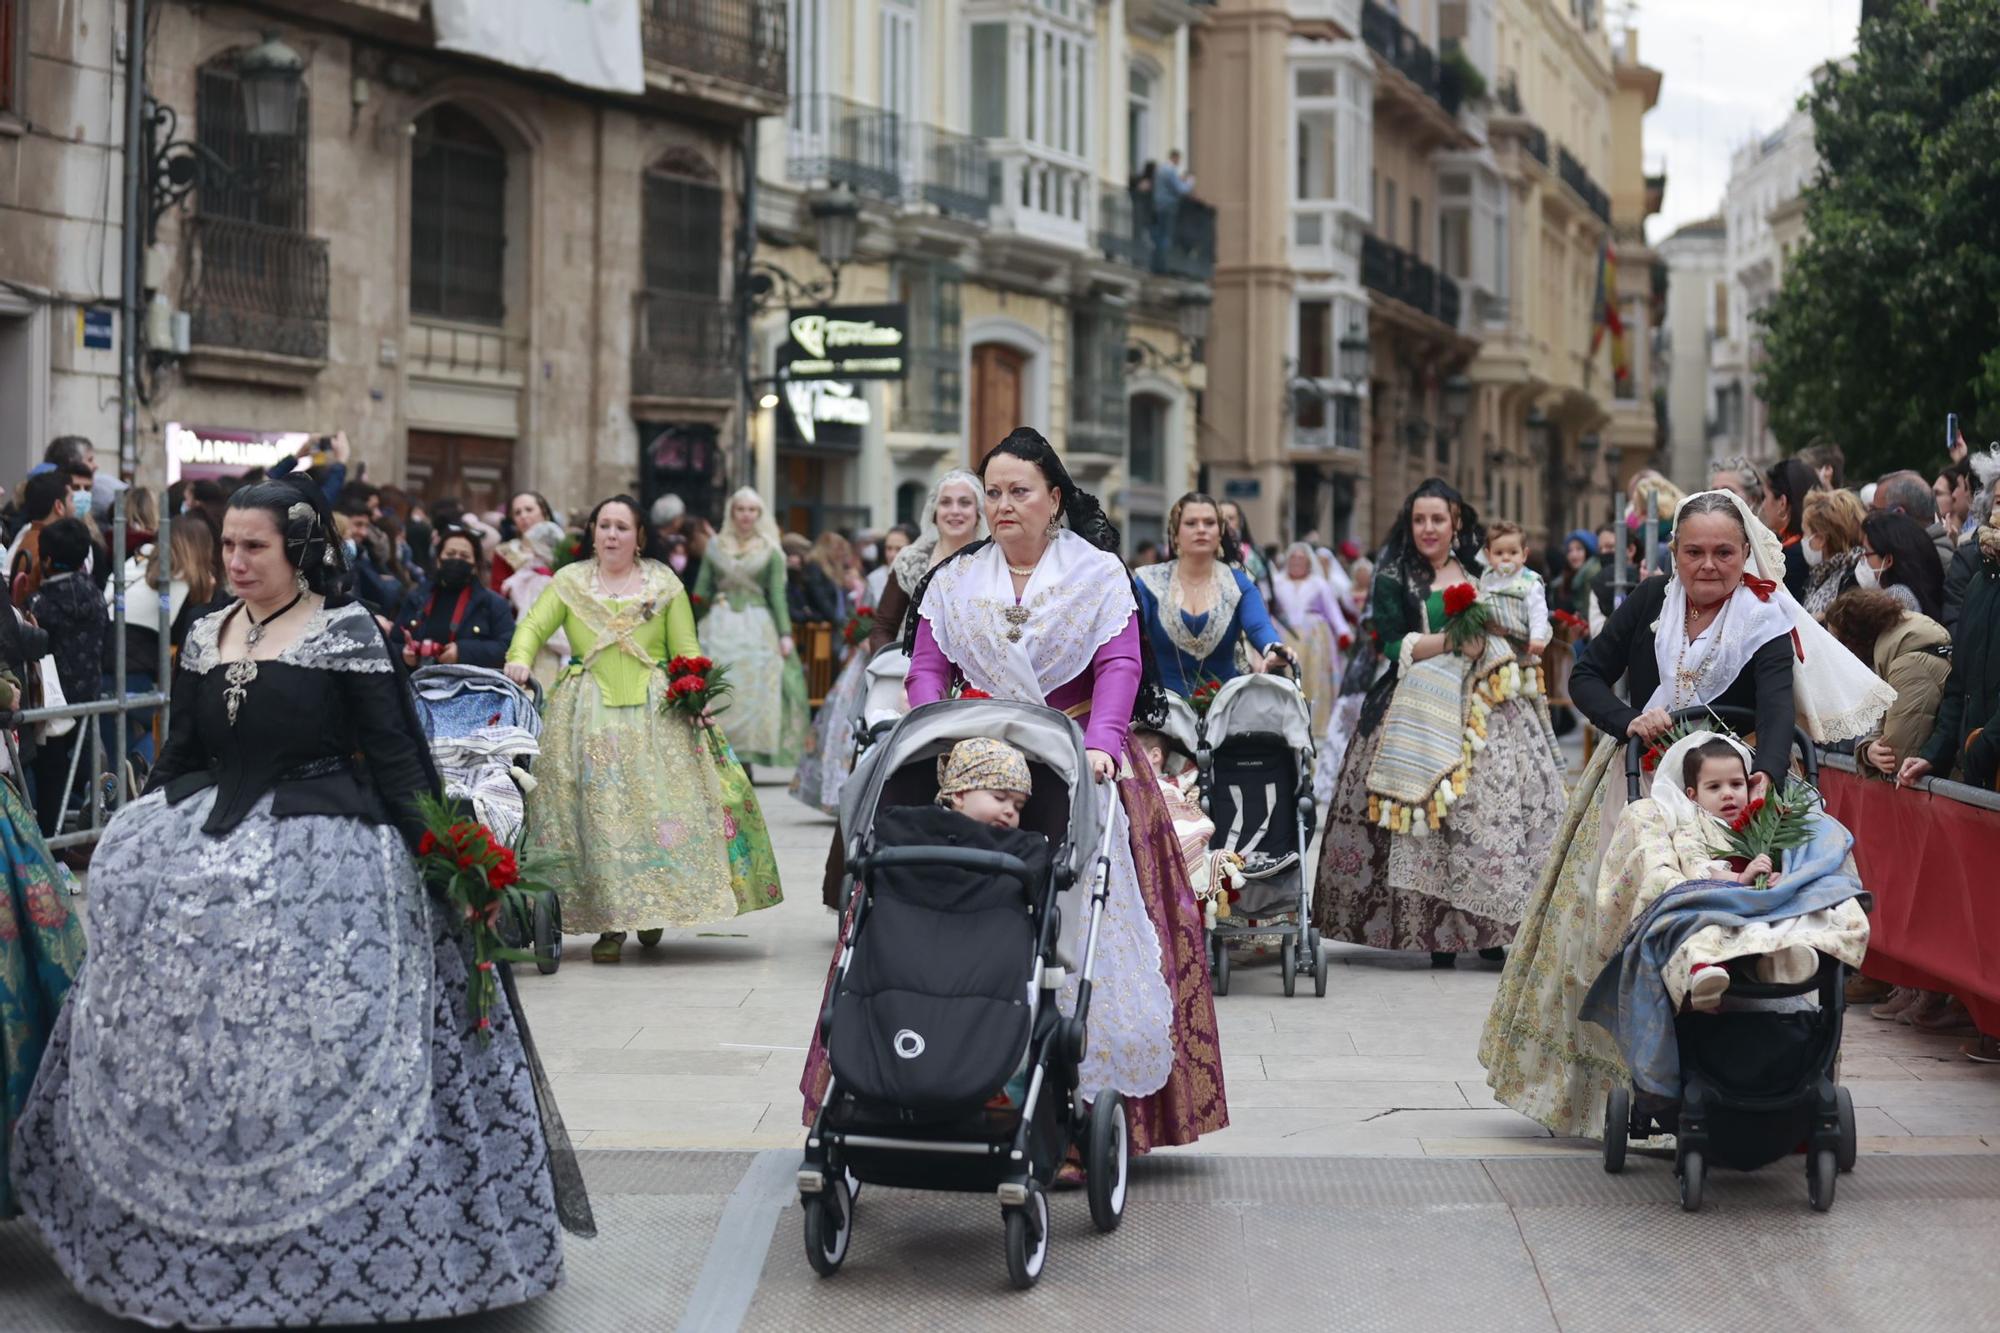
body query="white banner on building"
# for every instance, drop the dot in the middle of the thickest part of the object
(590, 42)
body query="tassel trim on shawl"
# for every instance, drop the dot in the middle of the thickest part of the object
(1506, 681)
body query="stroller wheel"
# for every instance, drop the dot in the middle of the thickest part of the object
(1288, 970)
(1109, 1160)
(548, 933)
(1849, 1149)
(1222, 967)
(1821, 1172)
(1694, 1173)
(1617, 1126)
(1319, 967)
(829, 1224)
(1028, 1239)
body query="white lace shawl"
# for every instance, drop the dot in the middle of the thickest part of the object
(1836, 695)
(1669, 793)
(337, 638)
(1078, 600)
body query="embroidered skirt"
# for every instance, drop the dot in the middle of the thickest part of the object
(262, 1104)
(41, 952)
(1464, 886)
(829, 746)
(628, 805)
(766, 714)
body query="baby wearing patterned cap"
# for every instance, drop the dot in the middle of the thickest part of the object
(986, 780)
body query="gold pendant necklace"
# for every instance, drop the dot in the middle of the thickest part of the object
(1015, 616)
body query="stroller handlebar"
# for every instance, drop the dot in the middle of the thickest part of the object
(1740, 720)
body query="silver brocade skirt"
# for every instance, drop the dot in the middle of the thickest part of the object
(263, 1105)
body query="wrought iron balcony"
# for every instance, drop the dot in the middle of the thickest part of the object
(1575, 176)
(1398, 46)
(1129, 231)
(1400, 275)
(256, 288)
(952, 173)
(1538, 144)
(742, 41)
(836, 141)
(683, 346)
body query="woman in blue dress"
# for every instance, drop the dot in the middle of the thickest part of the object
(1198, 609)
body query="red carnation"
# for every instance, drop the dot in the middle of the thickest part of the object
(427, 844)
(1346, 640)
(504, 872)
(1458, 597)
(1742, 821)
(971, 693)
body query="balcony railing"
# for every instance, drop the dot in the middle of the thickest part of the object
(1538, 144)
(951, 172)
(742, 41)
(257, 288)
(1402, 276)
(1397, 45)
(683, 346)
(838, 141)
(1575, 176)
(1130, 231)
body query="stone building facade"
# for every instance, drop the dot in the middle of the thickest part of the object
(490, 278)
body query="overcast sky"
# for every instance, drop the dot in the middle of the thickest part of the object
(1733, 71)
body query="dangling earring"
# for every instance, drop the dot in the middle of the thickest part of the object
(299, 582)
(1054, 523)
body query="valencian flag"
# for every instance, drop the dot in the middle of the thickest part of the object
(1606, 319)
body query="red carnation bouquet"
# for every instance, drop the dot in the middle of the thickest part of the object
(1204, 695)
(1673, 736)
(970, 692)
(859, 626)
(695, 685)
(1771, 827)
(480, 877)
(1464, 615)
(1569, 625)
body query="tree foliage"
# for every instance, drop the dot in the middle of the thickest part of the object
(1889, 314)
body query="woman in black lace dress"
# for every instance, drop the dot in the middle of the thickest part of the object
(263, 1103)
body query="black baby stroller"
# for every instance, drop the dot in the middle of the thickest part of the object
(952, 1066)
(1256, 766)
(1756, 1082)
(484, 732)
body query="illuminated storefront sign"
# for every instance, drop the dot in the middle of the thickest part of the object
(197, 452)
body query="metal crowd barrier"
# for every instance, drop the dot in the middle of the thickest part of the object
(1977, 797)
(106, 791)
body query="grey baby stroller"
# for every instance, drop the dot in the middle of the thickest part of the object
(1256, 767)
(1757, 1080)
(952, 1066)
(484, 732)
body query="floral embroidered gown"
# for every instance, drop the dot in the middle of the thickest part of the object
(1465, 886)
(41, 952)
(741, 593)
(649, 818)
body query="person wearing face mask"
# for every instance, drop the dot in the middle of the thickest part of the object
(452, 619)
(1899, 557)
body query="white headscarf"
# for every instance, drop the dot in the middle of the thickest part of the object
(914, 560)
(1836, 696)
(766, 531)
(1669, 787)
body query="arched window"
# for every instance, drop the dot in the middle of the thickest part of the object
(458, 219)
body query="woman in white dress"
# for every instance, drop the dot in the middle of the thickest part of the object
(739, 600)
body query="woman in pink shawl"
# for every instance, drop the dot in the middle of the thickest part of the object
(1046, 613)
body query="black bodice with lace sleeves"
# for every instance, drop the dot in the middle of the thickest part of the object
(328, 726)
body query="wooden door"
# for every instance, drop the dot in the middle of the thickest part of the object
(476, 469)
(997, 373)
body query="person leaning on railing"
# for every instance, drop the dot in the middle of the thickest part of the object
(1967, 739)
(1910, 651)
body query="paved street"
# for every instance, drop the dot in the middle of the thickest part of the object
(1366, 1174)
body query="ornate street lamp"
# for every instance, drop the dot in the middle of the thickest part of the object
(1193, 311)
(271, 74)
(1353, 357)
(1456, 399)
(836, 216)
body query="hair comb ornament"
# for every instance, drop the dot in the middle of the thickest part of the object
(300, 513)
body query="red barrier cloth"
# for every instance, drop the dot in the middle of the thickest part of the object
(1933, 865)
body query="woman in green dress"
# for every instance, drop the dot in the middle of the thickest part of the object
(745, 624)
(650, 818)
(1435, 839)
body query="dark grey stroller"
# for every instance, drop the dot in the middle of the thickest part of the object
(944, 993)
(1754, 1084)
(1256, 767)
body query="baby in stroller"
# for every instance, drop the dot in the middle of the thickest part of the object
(1702, 785)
